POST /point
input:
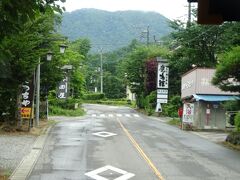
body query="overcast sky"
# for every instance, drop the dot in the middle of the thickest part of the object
(172, 9)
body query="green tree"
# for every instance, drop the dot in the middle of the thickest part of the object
(13, 14)
(134, 66)
(227, 75)
(19, 57)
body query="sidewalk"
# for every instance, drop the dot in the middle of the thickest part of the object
(213, 136)
(28, 162)
(12, 149)
(16, 147)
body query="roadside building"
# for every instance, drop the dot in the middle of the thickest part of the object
(130, 95)
(202, 100)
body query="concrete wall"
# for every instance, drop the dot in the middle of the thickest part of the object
(217, 117)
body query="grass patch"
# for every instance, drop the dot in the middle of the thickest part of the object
(54, 110)
(6, 129)
(5, 174)
(231, 146)
(108, 102)
(174, 122)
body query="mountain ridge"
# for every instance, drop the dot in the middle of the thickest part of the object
(113, 29)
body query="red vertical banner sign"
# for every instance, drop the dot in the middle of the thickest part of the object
(27, 99)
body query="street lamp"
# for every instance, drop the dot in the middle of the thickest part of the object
(62, 48)
(49, 55)
(49, 58)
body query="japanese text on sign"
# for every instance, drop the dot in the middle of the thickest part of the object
(163, 71)
(62, 89)
(188, 112)
(27, 98)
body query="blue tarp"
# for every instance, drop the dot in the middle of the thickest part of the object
(215, 97)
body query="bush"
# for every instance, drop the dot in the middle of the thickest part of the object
(150, 103)
(55, 110)
(231, 105)
(109, 102)
(237, 121)
(234, 138)
(171, 108)
(64, 104)
(140, 101)
(95, 96)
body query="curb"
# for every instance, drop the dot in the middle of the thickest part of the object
(28, 162)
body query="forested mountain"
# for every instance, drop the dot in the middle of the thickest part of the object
(112, 30)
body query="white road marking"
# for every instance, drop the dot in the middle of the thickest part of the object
(110, 115)
(94, 115)
(136, 115)
(104, 134)
(102, 115)
(119, 115)
(94, 174)
(127, 115)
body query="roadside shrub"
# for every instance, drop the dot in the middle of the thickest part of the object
(237, 122)
(64, 103)
(140, 101)
(55, 110)
(171, 108)
(150, 103)
(117, 102)
(95, 96)
(234, 138)
(231, 105)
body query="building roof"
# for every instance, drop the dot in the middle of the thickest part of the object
(212, 98)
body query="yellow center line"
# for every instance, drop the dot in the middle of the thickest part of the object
(141, 152)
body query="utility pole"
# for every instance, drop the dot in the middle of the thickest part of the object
(38, 92)
(101, 69)
(147, 35)
(189, 14)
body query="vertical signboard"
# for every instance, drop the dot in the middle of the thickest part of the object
(62, 91)
(188, 113)
(162, 83)
(27, 99)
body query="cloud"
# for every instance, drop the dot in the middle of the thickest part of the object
(172, 9)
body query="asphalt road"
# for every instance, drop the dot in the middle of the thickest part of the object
(117, 143)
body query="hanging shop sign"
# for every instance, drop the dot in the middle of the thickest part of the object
(162, 83)
(62, 91)
(27, 99)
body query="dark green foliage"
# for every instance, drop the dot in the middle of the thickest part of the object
(171, 109)
(237, 121)
(113, 29)
(227, 75)
(150, 102)
(234, 138)
(115, 102)
(114, 80)
(200, 45)
(55, 110)
(96, 96)
(64, 104)
(231, 105)
(113, 87)
(140, 101)
(13, 14)
(20, 53)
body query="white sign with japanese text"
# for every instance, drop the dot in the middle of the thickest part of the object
(162, 79)
(63, 89)
(188, 113)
